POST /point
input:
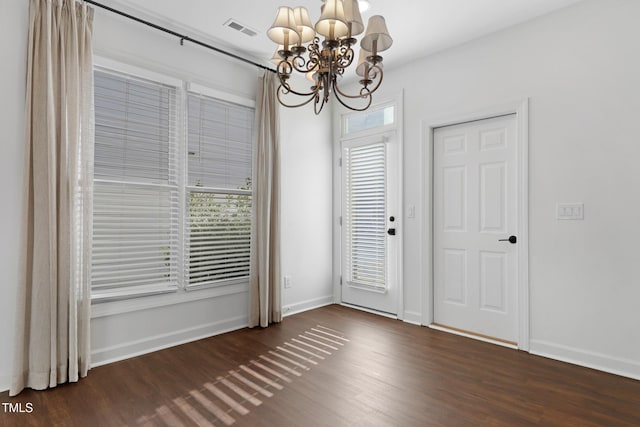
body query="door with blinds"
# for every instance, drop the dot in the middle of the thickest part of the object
(370, 223)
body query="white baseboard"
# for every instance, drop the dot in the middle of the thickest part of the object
(593, 360)
(412, 317)
(307, 305)
(103, 356)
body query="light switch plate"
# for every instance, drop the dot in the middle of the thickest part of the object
(570, 211)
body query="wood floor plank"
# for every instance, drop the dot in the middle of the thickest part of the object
(385, 373)
(226, 399)
(240, 392)
(281, 366)
(251, 384)
(289, 360)
(168, 417)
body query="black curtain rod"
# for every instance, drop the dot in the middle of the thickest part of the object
(182, 37)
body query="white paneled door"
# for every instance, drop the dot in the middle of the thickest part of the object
(370, 224)
(475, 227)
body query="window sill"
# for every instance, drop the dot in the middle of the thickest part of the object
(111, 308)
(112, 295)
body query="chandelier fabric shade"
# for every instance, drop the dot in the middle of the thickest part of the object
(353, 17)
(304, 25)
(323, 63)
(376, 33)
(332, 23)
(284, 30)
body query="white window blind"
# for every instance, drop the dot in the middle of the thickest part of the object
(365, 208)
(218, 205)
(136, 197)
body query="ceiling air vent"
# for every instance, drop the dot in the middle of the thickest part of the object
(233, 24)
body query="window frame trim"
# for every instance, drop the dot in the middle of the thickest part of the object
(109, 303)
(117, 67)
(200, 90)
(112, 67)
(345, 136)
(211, 92)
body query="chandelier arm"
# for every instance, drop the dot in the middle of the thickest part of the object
(364, 91)
(279, 94)
(346, 95)
(283, 69)
(305, 66)
(374, 71)
(317, 110)
(287, 89)
(337, 94)
(314, 58)
(377, 72)
(346, 57)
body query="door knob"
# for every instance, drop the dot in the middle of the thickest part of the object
(511, 239)
(391, 232)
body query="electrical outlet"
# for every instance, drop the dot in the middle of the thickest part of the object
(570, 211)
(287, 282)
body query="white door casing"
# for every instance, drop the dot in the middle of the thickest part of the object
(370, 208)
(475, 204)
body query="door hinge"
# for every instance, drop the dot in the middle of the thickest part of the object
(340, 220)
(340, 162)
(340, 280)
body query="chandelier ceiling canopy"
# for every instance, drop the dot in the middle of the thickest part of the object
(324, 63)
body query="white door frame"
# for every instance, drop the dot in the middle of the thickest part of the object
(393, 208)
(339, 114)
(521, 109)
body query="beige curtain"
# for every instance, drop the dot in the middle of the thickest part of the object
(265, 296)
(52, 339)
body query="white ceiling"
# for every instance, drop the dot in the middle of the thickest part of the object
(418, 27)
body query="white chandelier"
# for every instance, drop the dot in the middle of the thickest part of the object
(300, 50)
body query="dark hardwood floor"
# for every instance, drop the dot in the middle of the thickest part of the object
(336, 367)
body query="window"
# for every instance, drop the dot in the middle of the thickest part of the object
(135, 222)
(369, 119)
(170, 211)
(219, 190)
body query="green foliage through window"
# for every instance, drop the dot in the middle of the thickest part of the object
(219, 235)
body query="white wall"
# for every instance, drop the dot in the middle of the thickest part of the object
(123, 329)
(306, 208)
(580, 69)
(14, 17)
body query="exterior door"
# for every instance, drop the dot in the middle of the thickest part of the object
(475, 228)
(370, 223)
